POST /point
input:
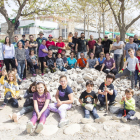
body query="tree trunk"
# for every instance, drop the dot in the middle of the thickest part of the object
(10, 31)
(122, 34)
(84, 23)
(88, 27)
(103, 20)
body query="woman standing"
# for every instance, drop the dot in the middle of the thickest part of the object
(43, 52)
(60, 44)
(98, 47)
(9, 53)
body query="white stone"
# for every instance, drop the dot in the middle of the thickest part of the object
(87, 76)
(72, 129)
(124, 128)
(89, 107)
(114, 109)
(89, 128)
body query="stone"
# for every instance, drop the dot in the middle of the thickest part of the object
(33, 79)
(124, 128)
(49, 130)
(89, 128)
(80, 80)
(72, 129)
(114, 109)
(87, 76)
(76, 102)
(8, 126)
(105, 128)
(89, 107)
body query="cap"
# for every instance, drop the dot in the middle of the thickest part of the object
(41, 33)
(50, 36)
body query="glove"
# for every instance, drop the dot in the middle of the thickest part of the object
(83, 104)
(139, 73)
(121, 71)
(124, 59)
(94, 105)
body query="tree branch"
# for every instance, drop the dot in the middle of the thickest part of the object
(19, 2)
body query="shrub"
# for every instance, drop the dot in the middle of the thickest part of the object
(2, 41)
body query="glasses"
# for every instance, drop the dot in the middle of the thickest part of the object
(106, 37)
(62, 81)
(50, 37)
(91, 54)
(102, 54)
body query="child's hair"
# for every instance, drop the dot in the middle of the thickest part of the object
(13, 73)
(130, 50)
(110, 76)
(129, 90)
(58, 54)
(89, 83)
(138, 50)
(63, 76)
(31, 51)
(41, 82)
(33, 84)
(13, 69)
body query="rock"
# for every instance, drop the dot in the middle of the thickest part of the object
(76, 102)
(88, 76)
(114, 109)
(72, 129)
(124, 128)
(89, 128)
(8, 126)
(49, 130)
(105, 128)
(89, 107)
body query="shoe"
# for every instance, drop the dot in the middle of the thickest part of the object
(102, 108)
(63, 122)
(85, 120)
(100, 120)
(112, 103)
(116, 118)
(39, 128)
(124, 119)
(34, 74)
(24, 79)
(29, 127)
(2, 106)
(11, 116)
(133, 118)
(42, 74)
(15, 117)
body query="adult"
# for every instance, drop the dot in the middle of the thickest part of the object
(110, 65)
(43, 51)
(70, 44)
(98, 47)
(60, 44)
(16, 41)
(129, 45)
(82, 46)
(91, 43)
(92, 62)
(82, 62)
(33, 44)
(40, 38)
(64, 58)
(136, 40)
(23, 40)
(118, 51)
(50, 62)
(106, 44)
(74, 41)
(71, 61)
(50, 42)
(9, 53)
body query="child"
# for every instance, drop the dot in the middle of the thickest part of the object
(108, 90)
(137, 71)
(130, 70)
(1, 58)
(60, 63)
(129, 106)
(28, 105)
(34, 60)
(88, 97)
(17, 76)
(41, 112)
(11, 89)
(64, 98)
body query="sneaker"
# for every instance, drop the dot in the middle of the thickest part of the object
(112, 103)
(2, 106)
(29, 127)
(85, 120)
(102, 108)
(116, 118)
(24, 79)
(34, 74)
(63, 122)
(16, 117)
(39, 128)
(133, 118)
(100, 120)
(124, 119)
(11, 116)
(42, 74)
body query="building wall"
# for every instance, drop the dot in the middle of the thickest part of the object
(4, 28)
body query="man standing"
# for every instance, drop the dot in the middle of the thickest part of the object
(74, 40)
(33, 44)
(82, 46)
(106, 44)
(23, 40)
(91, 43)
(40, 38)
(136, 40)
(129, 45)
(50, 42)
(16, 41)
(118, 51)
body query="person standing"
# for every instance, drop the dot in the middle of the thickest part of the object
(40, 38)
(33, 44)
(74, 40)
(91, 44)
(118, 51)
(106, 44)
(129, 45)
(23, 40)
(16, 41)
(50, 42)
(9, 53)
(82, 46)
(60, 44)
(136, 40)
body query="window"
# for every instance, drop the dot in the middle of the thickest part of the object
(26, 30)
(63, 33)
(17, 31)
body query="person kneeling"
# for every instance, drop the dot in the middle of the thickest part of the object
(88, 103)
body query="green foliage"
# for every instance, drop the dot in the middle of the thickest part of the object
(2, 41)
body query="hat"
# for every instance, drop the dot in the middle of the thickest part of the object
(41, 33)
(50, 36)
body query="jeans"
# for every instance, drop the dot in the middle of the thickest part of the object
(43, 117)
(8, 61)
(137, 77)
(25, 110)
(87, 113)
(61, 68)
(13, 101)
(85, 54)
(61, 110)
(117, 58)
(20, 68)
(41, 59)
(110, 98)
(128, 112)
(114, 71)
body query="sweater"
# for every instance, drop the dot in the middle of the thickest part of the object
(10, 87)
(20, 54)
(129, 104)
